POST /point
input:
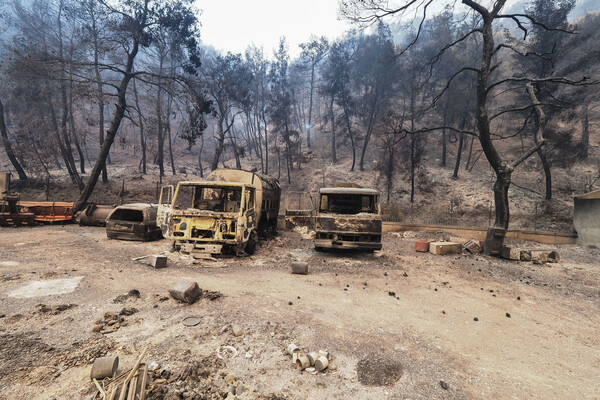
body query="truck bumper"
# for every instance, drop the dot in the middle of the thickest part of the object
(339, 244)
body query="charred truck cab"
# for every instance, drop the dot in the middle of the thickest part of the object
(224, 214)
(348, 218)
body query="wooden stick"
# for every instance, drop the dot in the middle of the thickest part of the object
(132, 387)
(102, 392)
(144, 382)
(137, 363)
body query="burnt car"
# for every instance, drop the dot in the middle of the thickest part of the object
(133, 222)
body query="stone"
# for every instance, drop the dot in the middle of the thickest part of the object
(187, 292)
(299, 267)
(444, 385)
(229, 378)
(443, 248)
(545, 255)
(237, 330)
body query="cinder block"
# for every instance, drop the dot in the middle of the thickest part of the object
(188, 292)
(158, 261)
(443, 248)
(511, 253)
(422, 245)
(299, 267)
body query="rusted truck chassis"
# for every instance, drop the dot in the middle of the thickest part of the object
(348, 218)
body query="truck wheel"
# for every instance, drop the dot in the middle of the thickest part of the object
(251, 244)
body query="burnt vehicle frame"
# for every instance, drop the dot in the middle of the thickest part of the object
(135, 221)
(348, 218)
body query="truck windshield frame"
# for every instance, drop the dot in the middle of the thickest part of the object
(215, 198)
(346, 203)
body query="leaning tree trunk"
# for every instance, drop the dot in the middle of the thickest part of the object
(348, 126)
(585, 130)
(143, 161)
(111, 133)
(333, 146)
(8, 146)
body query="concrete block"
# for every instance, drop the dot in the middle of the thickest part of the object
(158, 261)
(511, 253)
(185, 291)
(473, 246)
(443, 248)
(422, 245)
(299, 267)
(545, 256)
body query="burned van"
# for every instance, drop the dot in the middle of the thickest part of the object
(348, 218)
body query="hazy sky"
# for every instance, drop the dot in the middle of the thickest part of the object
(232, 25)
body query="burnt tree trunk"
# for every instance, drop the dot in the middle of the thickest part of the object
(143, 161)
(8, 147)
(333, 146)
(112, 130)
(585, 130)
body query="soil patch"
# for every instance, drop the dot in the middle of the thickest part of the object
(378, 370)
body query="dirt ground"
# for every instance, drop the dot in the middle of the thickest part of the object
(397, 324)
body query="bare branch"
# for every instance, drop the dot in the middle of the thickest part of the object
(545, 56)
(519, 109)
(540, 117)
(374, 9)
(437, 57)
(515, 17)
(584, 81)
(439, 95)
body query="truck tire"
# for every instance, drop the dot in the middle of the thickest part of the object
(252, 242)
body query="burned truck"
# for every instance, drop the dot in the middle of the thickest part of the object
(226, 213)
(348, 218)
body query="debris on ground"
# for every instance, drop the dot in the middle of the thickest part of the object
(153, 260)
(129, 385)
(312, 362)
(473, 246)
(443, 248)
(104, 367)
(190, 292)
(537, 256)
(187, 292)
(299, 267)
(132, 294)
(111, 322)
(190, 321)
(54, 310)
(422, 246)
(237, 330)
